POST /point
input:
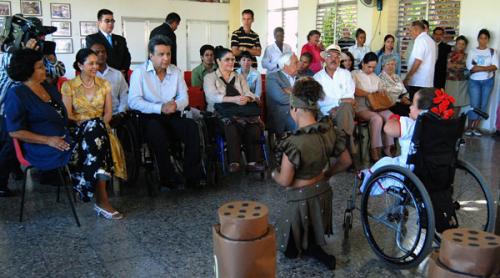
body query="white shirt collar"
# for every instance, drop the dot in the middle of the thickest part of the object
(150, 67)
(105, 34)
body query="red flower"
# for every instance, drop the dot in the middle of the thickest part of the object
(443, 101)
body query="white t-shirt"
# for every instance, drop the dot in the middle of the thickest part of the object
(424, 49)
(272, 55)
(482, 57)
(336, 88)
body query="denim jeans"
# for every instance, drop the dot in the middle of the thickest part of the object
(479, 94)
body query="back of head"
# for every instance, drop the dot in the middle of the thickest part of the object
(22, 64)
(307, 92)
(284, 60)
(419, 24)
(173, 17)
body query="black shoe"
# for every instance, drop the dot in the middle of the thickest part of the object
(318, 253)
(6, 192)
(50, 177)
(257, 167)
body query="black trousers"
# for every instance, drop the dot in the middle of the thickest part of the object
(161, 131)
(8, 160)
(249, 133)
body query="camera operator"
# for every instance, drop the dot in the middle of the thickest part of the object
(33, 36)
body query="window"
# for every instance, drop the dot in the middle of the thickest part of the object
(283, 13)
(333, 16)
(443, 13)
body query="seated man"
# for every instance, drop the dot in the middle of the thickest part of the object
(339, 91)
(158, 90)
(119, 87)
(278, 88)
(207, 65)
(304, 63)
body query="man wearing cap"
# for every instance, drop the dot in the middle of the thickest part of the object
(338, 86)
(8, 161)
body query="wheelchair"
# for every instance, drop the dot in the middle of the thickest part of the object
(398, 205)
(139, 155)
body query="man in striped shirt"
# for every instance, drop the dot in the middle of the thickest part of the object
(245, 39)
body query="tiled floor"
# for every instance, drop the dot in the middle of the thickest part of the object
(170, 235)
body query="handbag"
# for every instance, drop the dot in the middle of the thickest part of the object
(118, 155)
(379, 101)
(229, 110)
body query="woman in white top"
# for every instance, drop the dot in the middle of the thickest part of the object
(368, 82)
(250, 74)
(274, 51)
(359, 50)
(482, 63)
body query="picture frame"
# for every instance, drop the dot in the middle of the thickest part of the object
(63, 45)
(83, 43)
(5, 8)
(88, 28)
(63, 28)
(60, 10)
(31, 8)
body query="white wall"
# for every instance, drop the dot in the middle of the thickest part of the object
(86, 10)
(475, 15)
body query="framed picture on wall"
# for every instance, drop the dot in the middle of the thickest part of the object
(31, 8)
(83, 43)
(88, 28)
(64, 45)
(60, 11)
(5, 8)
(63, 28)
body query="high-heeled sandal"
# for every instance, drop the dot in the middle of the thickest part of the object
(375, 154)
(106, 214)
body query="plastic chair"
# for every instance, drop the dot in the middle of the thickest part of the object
(187, 78)
(26, 165)
(60, 82)
(197, 98)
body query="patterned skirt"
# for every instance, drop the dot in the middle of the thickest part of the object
(91, 161)
(308, 214)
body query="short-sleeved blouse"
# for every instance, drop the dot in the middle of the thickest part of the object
(369, 83)
(83, 108)
(309, 148)
(24, 110)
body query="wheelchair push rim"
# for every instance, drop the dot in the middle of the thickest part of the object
(406, 210)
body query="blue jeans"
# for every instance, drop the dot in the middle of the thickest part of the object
(479, 94)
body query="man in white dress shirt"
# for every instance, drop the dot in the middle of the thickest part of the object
(159, 92)
(274, 51)
(422, 60)
(119, 87)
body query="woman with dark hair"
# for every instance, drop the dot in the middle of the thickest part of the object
(346, 60)
(457, 74)
(359, 50)
(304, 63)
(388, 49)
(229, 96)
(88, 101)
(254, 80)
(482, 63)
(314, 46)
(305, 156)
(35, 113)
(368, 82)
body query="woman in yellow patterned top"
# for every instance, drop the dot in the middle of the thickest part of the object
(88, 101)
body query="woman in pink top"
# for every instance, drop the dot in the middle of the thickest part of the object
(314, 46)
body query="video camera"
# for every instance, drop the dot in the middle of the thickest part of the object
(18, 30)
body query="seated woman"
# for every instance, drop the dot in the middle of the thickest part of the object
(88, 101)
(252, 75)
(347, 60)
(35, 113)
(403, 127)
(393, 85)
(368, 82)
(228, 95)
(306, 154)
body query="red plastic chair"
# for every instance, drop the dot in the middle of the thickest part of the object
(26, 165)
(60, 82)
(187, 78)
(129, 73)
(197, 98)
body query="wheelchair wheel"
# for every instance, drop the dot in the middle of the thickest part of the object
(128, 138)
(397, 217)
(152, 175)
(473, 200)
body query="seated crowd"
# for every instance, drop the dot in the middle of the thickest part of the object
(318, 98)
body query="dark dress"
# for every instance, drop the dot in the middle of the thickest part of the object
(26, 111)
(308, 214)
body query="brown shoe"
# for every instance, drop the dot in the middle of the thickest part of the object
(234, 167)
(375, 154)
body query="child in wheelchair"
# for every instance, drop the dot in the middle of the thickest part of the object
(425, 101)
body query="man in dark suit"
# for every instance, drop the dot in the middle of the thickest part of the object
(278, 89)
(167, 29)
(116, 46)
(443, 49)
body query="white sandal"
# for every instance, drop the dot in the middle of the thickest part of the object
(106, 214)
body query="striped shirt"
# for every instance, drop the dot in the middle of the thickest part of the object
(248, 40)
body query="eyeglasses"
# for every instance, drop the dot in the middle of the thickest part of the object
(107, 21)
(232, 60)
(329, 55)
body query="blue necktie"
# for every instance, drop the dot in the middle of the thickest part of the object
(108, 37)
